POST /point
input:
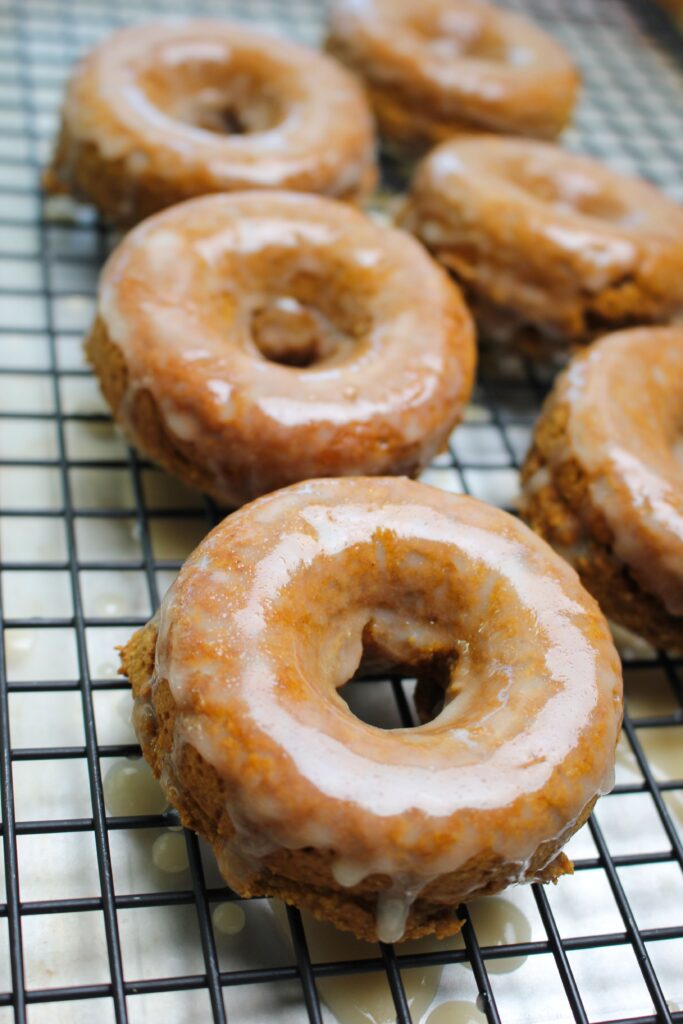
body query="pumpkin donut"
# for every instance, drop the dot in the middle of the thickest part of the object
(603, 481)
(383, 833)
(438, 68)
(549, 246)
(163, 112)
(249, 340)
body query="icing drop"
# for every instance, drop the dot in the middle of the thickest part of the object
(110, 605)
(392, 914)
(393, 908)
(169, 852)
(229, 918)
(131, 789)
(347, 873)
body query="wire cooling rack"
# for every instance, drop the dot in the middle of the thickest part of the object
(90, 536)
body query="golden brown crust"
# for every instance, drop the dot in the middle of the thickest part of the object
(627, 303)
(79, 168)
(561, 511)
(303, 877)
(149, 432)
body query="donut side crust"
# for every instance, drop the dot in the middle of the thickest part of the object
(126, 197)
(149, 433)
(137, 412)
(631, 300)
(561, 511)
(303, 877)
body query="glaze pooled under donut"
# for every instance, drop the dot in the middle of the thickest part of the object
(547, 243)
(438, 68)
(604, 477)
(247, 341)
(159, 113)
(381, 832)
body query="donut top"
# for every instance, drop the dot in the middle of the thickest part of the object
(202, 297)
(277, 608)
(470, 60)
(230, 106)
(625, 427)
(609, 225)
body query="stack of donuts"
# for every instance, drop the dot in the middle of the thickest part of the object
(266, 341)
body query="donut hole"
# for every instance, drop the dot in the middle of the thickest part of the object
(430, 680)
(293, 333)
(214, 97)
(421, 648)
(310, 323)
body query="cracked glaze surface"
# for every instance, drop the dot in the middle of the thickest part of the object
(273, 612)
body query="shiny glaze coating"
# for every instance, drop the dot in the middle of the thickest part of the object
(182, 109)
(283, 602)
(207, 301)
(547, 238)
(437, 68)
(623, 409)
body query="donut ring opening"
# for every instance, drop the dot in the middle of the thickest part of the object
(310, 311)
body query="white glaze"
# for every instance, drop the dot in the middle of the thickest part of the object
(412, 803)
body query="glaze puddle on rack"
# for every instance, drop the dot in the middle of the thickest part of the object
(126, 917)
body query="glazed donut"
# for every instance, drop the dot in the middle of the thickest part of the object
(604, 478)
(437, 68)
(249, 340)
(547, 244)
(382, 832)
(163, 112)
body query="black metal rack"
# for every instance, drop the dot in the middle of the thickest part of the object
(632, 116)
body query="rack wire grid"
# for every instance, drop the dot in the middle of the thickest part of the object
(91, 535)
